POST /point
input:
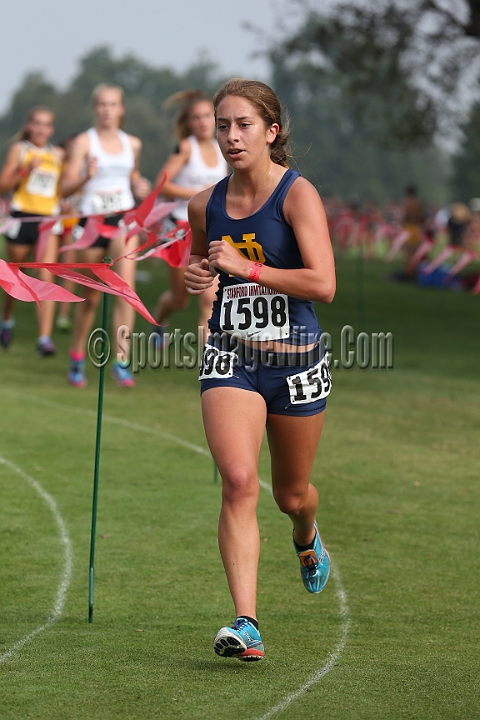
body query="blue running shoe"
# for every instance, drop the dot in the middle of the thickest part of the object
(76, 373)
(46, 347)
(314, 564)
(242, 641)
(6, 335)
(122, 375)
(157, 337)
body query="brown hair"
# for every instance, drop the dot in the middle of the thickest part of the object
(269, 108)
(187, 99)
(23, 133)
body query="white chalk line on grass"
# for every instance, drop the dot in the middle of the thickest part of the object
(66, 575)
(334, 656)
(120, 421)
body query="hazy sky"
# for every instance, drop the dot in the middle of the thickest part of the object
(51, 35)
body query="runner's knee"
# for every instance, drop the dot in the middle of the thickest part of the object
(180, 301)
(289, 502)
(239, 484)
(91, 300)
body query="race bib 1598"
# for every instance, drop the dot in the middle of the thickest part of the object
(253, 312)
(310, 385)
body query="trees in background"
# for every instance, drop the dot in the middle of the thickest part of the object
(145, 90)
(368, 86)
(338, 154)
(400, 65)
(397, 74)
(466, 163)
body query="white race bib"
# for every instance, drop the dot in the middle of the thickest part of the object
(216, 363)
(253, 312)
(310, 385)
(110, 202)
(42, 183)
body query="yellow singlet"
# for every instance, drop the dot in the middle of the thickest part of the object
(38, 192)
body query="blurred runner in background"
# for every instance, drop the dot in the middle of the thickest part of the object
(32, 171)
(196, 164)
(104, 164)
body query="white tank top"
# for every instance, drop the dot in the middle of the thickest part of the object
(109, 191)
(197, 174)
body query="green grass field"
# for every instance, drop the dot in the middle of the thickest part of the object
(397, 472)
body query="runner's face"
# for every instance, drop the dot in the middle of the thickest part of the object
(202, 120)
(243, 137)
(40, 128)
(109, 108)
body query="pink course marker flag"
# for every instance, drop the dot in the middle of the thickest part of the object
(29, 289)
(24, 287)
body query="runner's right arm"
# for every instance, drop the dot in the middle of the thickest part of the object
(172, 167)
(12, 172)
(199, 275)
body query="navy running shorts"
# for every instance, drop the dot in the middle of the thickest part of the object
(291, 383)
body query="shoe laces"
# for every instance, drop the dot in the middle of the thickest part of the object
(239, 623)
(310, 563)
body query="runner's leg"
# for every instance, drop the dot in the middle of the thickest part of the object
(175, 298)
(123, 312)
(46, 312)
(69, 256)
(293, 442)
(15, 254)
(234, 422)
(85, 311)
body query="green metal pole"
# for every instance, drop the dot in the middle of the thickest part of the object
(97, 459)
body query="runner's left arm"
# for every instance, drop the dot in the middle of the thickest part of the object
(140, 185)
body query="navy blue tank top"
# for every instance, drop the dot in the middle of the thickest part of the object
(248, 310)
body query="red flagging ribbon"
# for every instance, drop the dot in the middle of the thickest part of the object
(23, 287)
(177, 252)
(29, 289)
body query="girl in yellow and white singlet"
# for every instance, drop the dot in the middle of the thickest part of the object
(32, 171)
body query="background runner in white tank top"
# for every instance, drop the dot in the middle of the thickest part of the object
(196, 174)
(103, 164)
(109, 191)
(196, 164)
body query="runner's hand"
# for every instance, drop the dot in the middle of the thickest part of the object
(222, 256)
(92, 167)
(141, 187)
(34, 163)
(198, 277)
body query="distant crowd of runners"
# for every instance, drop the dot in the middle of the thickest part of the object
(97, 173)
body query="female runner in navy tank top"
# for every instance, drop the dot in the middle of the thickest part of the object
(264, 231)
